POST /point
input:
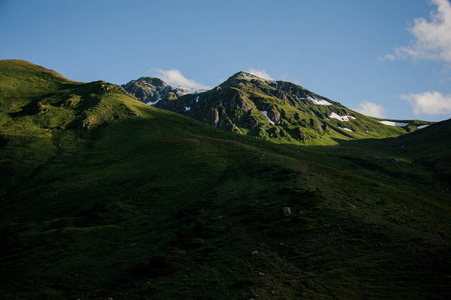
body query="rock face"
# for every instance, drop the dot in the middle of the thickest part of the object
(151, 90)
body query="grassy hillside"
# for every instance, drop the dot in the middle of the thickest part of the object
(43, 114)
(280, 112)
(429, 147)
(105, 197)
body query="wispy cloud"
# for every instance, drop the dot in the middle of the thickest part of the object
(429, 103)
(291, 79)
(387, 57)
(371, 109)
(432, 39)
(260, 73)
(175, 77)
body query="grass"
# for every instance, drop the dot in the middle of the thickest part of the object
(146, 203)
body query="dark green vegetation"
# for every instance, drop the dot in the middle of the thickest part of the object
(103, 196)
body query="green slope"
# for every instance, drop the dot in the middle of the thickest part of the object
(40, 112)
(293, 114)
(127, 201)
(428, 147)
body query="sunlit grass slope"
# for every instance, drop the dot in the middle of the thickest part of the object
(105, 197)
(280, 112)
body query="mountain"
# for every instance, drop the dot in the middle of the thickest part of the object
(278, 111)
(104, 197)
(151, 90)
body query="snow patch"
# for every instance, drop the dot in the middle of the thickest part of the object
(347, 129)
(156, 101)
(157, 93)
(187, 90)
(391, 123)
(341, 118)
(187, 108)
(264, 112)
(197, 99)
(422, 126)
(321, 102)
(317, 101)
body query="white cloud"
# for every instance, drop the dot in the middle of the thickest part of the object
(429, 103)
(387, 57)
(175, 77)
(432, 39)
(260, 73)
(291, 79)
(371, 109)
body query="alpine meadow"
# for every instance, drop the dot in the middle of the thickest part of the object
(255, 189)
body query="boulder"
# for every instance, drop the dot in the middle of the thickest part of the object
(287, 211)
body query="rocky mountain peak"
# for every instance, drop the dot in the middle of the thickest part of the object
(248, 76)
(150, 90)
(273, 110)
(244, 77)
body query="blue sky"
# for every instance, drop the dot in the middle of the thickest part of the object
(388, 58)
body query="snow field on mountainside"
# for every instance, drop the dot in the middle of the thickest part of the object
(317, 101)
(342, 118)
(391, 123)
(264, 112)
(423, 126)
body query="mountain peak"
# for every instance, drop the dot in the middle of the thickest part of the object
(242, 75)
(151, 90)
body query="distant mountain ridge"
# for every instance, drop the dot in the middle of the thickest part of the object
(274, 110)
(151, 90)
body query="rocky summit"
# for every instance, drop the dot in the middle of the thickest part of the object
(151, 90)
